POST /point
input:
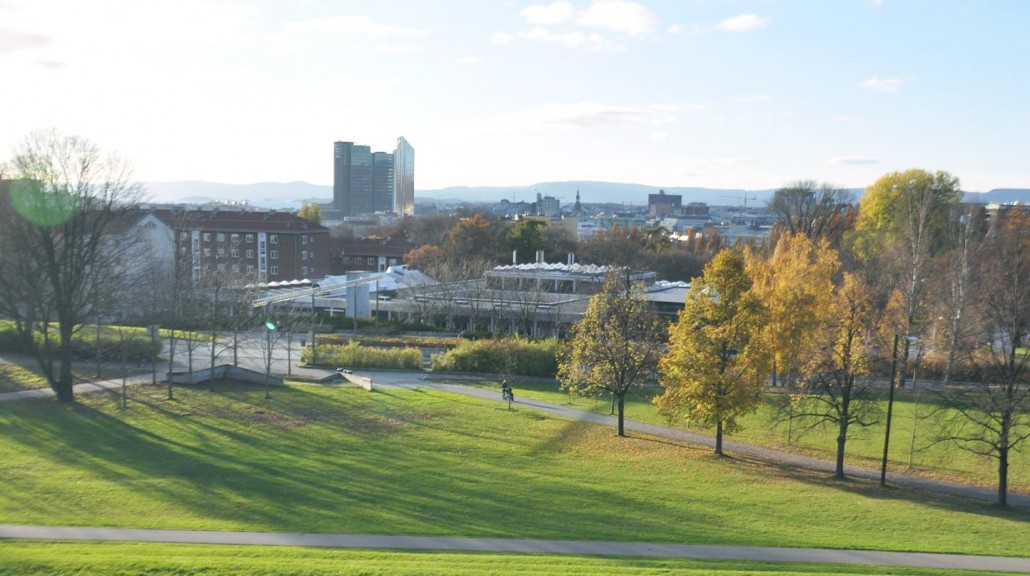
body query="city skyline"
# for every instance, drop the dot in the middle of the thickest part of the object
(748, 94)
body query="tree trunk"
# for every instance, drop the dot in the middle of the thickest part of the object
(842, 438)
(622, 413)
(1003, 476)
(718, 438)
(63, 384)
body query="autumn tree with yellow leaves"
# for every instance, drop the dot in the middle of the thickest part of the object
(717, 363)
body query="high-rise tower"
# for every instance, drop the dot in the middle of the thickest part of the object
(352, 179)
(404, 178)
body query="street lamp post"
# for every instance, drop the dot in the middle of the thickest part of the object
(890, 409)
(270, 326)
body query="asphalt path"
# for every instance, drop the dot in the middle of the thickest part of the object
(519, 546)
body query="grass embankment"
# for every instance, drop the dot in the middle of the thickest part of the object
(912, 411)
(115, 559)
(331, 459)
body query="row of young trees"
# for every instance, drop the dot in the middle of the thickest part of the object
(839, 296)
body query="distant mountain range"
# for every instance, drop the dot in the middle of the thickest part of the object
(289, 195)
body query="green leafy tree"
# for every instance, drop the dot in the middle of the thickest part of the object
(526, 238)
(717, 364)
(615, 346)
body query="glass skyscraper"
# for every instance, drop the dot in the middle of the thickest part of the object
(404, 178)
(365, 182)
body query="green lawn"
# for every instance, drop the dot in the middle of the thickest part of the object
(339, 459)
(15, 377)
(865, 445)
(114, 559)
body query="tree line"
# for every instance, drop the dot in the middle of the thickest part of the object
(832, 314)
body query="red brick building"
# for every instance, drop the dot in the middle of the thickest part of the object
(264, 245)
(370, 254)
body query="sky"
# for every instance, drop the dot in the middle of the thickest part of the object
(748, 94)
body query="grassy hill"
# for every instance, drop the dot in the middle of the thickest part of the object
(330, 459)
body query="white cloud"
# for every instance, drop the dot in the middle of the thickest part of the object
(553, 13)
(743, 23)
(12, 40)
(882, 84)
(875, 3)
(846, 119)
(587, 114)
(353, 26)
(658, 136)
(573, 39)
(400, 49)
(501, 38)
(619, 15)
(857, 160)
(676, 29)
(752, 98)
(470, 60)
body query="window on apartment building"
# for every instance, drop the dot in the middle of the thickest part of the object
(220, 237)
(221, 252)
(207, 252)
(235, 238)
(371, 261)
(250, 268)
(235, 253)
(235, 268)
(273, 254)
(273, 239)
(393, 261)
(182, 250)
(207, 236)
(250, 254)
(273, 270)
(183, 235)
(303, 270)
(221, 266)
(208, 267)
(303, 239)
(303, 254)
(250, 238)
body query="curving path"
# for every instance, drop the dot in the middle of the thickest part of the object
(508, 545)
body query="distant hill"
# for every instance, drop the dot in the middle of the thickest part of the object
(291, 194)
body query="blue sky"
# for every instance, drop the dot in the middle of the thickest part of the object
(719, 93)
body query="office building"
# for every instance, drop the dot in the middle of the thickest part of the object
(365, 182)
(404, 178)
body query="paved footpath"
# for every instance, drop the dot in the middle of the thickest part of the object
(517, 546)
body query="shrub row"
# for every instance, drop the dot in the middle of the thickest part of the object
(510, 355)
(354, 355)
(133, 344)
(394, 341)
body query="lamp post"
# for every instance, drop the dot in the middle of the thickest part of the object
(270, 327)
(890, 409)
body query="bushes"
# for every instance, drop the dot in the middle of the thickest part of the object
(391, 341)
(512, 355)
(116, 343)
(354, 355)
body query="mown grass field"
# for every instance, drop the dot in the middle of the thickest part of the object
(338, 459)
(118, 559)
(912, 411)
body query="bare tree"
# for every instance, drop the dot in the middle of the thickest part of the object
(815, 210)
(992, 413)
(55, 229)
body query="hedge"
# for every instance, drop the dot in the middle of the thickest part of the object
(132, 344)
(354, 355)
(523, 357)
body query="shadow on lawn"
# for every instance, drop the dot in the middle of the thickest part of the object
(349, 463)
